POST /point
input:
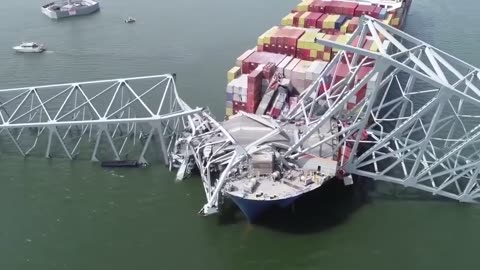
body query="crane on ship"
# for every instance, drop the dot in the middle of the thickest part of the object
(419, 116)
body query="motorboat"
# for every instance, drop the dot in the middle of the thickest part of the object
(130, 20)
(30, 47)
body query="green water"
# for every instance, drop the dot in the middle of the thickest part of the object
(57, 214)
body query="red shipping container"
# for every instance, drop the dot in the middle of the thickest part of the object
(318, 6)
(296, 18)
(238, 106)
(292, 36)
(319, 56)
(288, 50)
(348, 8)
(367, 45)
(276, 38)
(362, 73)
(353, 24)
(311, 20)
(330, 31)
(301, 53)
(364, 10)
(334, 7)
(339, 7)
(356, 43)
(344, 152)
(340, 71)
(323, 87)
(376, 12)
(266, 47)
(245, 67)
(256, 58)
(361, 94)
(319, 24)
(269, 70)
(292, 51)
(255, 76)
(274, 112)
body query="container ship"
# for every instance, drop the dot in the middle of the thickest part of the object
(268, 80)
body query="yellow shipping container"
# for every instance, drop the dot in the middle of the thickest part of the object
(326, 56)
(301, 20)
(228, 111)
(233, 73)
(313, 53)
(344, 27)
(267, 39)
(307, 40)
(395, 21)
(343, 39)
(288, 20)
(374, 47)
(329, 22)
(319, 47)
(261, 38)
(303, 6)
(388, 20)
(335, 39)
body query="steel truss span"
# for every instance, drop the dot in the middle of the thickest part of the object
(131, 118)
(420, 111)
(417, 104)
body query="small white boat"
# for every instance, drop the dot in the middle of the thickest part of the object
(130, 20)
(30, 47)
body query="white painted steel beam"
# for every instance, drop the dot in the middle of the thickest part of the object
(125, 113)
(425, 94)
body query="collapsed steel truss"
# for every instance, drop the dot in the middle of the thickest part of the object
(421, 113)
(114, 119)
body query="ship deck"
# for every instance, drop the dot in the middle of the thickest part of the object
(293, 183)
(248, 128)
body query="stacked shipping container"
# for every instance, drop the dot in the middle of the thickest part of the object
(268, 78)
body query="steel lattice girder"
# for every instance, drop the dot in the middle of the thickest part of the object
(420, 111)
(127, 113)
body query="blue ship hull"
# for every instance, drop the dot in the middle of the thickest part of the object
(253, 209)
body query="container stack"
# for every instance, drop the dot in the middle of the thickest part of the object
(287, 58)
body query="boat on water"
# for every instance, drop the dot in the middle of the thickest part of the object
(291, 52)
(30, 47)
(69, 8)
(261, 178)
(130, 20)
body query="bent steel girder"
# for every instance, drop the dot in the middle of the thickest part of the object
(109, 119)
(420, 111)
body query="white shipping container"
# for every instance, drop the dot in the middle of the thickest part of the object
(290, 67)
(285, 62)
(311, 69)
(244, 56)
